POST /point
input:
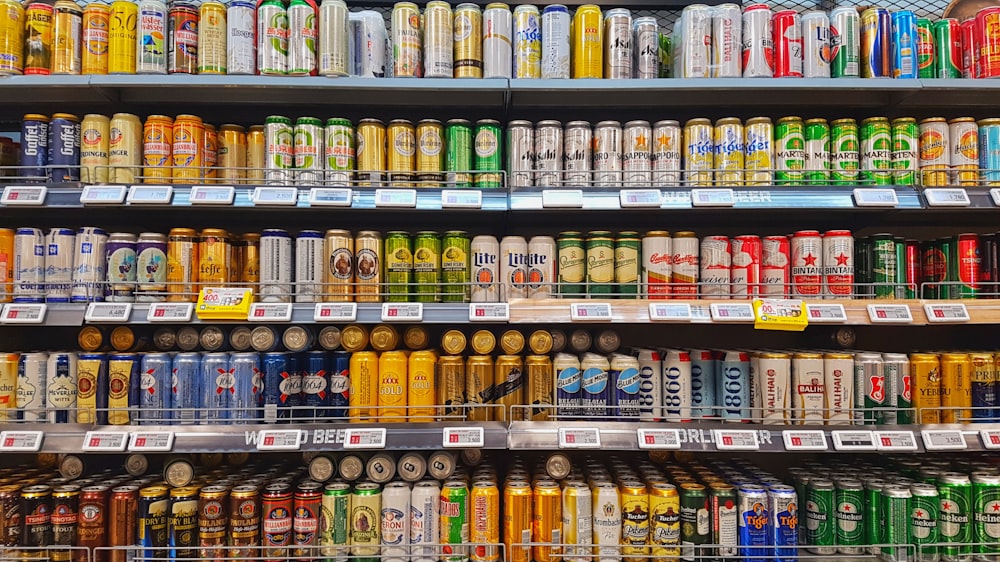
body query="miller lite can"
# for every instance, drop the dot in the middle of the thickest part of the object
(485, 269)
(816, 44)
(513, 273)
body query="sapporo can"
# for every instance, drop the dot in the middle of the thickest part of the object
(66, 44)
(95, 37)
(665, 157)
(38, 44)
(790, 157)
(876, 150)
(122, 37)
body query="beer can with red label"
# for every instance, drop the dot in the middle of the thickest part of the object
(684, 265)
(787, 30)
(716, 267)
(987, 37)
(969, 260)
(758, 42)
(970, 58)
(775, 266)
(656, 267)
(747, 255)
(807, 263)
(838, 264)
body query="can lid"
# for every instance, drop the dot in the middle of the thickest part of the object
(608, 341)
(416, 337)
(329, 338)
(71, 467)
(512, 342)
(453, 342)
(558, 340)
(122, 338)
(472, 457)
(558, 466)
(384, 337)
(295, 338)
(354, 337)
(137, 464)
(540, 342)
(90, 338)
(322, 468)
(483, 342)
(580, 341)
(178, 472)
(240, 338)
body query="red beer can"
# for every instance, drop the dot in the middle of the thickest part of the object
(787, 30)
(988, 39)
(716, 267)
(775, 266)
(970, 55)
(913, 269)
(838, 264)
(807, 263)
(746, 259)
(969, 261)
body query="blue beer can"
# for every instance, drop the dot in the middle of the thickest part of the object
(734, 395)
(904, 44)
(315, 382)
(187, 388)
(245, 369)
(217, 387)
(155, 389)
(64, 147)
(876, 43)
(754, 523)
(34, 147)
(624, 378)
(60, 243)
(569, 385)
(62, 384)
(92, 388)
(782, 507)
(989, 151)
(275, 374)
(596, 394)
(152, 517)
(703, 384)
(984, 396)
(340, 384)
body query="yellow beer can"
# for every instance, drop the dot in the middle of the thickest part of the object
(422, 394)
(925, 378)
(95, 38)
(122, 37)
(956, 388)
(364, 376)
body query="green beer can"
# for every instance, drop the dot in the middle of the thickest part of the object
(924, 507)
(627, 256)
(900, 244)
(790, 151)
(955, 495)
(455, 248)
(600, 263)
(458, 153)
(883, 266)
(950, 288)
(489, 156)
(895, 523)
(905, 146)
(863, 266)
(844, 156)
(666, 56)
(694, 510)
(873, 513)
(926, 49)
(850, 503)
(426, 267)
(334, 534)
(876, 151)
(572, 270)
(986, 515)
(817, 152)
(821, 533)
(366, 515)
(398, 266)
(948, 59)
(453, 520)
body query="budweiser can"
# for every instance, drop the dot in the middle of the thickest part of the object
(816, 44)
(636, 154)
(787, 31)
(716, 267)
(758, 42)
(577, 153)
(548, 154)
(684, 265)
(775, 260)
(838, 264)
(807, 263)
(520, 153)
(656, 267)
(726, 41)
(746, 259)
(608, 154)
(693, 40)
(665, 159)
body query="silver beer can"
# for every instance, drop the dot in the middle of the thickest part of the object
(726, 41)
(334, 32)
(618, 44)
(692, 41)
(816, 47)
(577, 153)
(758, 42)
(548, 153)
(646, 44)
(608, 154)
(59, 247)
(665, 155)
(520, 153)
(498, 34)
(636, 154)
(439, 54)
(369, 45)
(241, 47)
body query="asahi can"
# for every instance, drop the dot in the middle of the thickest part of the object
(618, 44)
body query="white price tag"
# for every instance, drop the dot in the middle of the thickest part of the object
(170, 312)
(151, 441)
(670, 312)
(895, 441)
(463, 437)
(562, 198)
(853, 440)
(270, 312)
(212, 195)
(701, 313)
(995, 195)
(712, 198)
(30, 441)
(461, 199)
(947, 197)
(276, 196)
(736, 440)
(402, 312)
(590, 312)
(335, 312)
(943, 440)
(875, 197)
(639, 198)
(22, 313)
(103, 195)
(23, 195)
(991, 438)
(943, 313)
(108, 312)
(150, 194)
(658, 438)
(804, 440)
(890, 314)
(395, 197)
(732, 312)
(364, 438)
(105, 441)
(579, 438)
(330, 197)
(489, 312)
(280, 440)
(826, 313)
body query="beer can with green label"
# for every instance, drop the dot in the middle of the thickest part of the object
(895, 523)
(844, 157)
(850, 514)
(572, 270)
(986, 515)
(790, 151)
(453, 520)
(458, 153)
(488, 154)
(954, 527)
(600, 263)
(398, 266)
(334, 535)
(366, 517)
(926, 49)
(426, 267)
(873, 513)
(876, 151)
(883, 266)
(821, 533)
(817, 152)
(905, 139)
(924, 506)
(455, 266)
(627, 255)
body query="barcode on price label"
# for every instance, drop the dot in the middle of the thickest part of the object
(895, 441)
(151, 441)
(658, 438)
(30, 441)
(279, 440)
(105, 441)
(579, 438)
(463, 437)
(170, 312)
(372, 438)
(943, 439)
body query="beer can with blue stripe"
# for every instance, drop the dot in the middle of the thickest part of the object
(339, 384)
(595, 395)
(703, 372)
(624, 379)
(29, 265)
(245, 371)
(904, 44)
(734, 395)
(315, 381)
(217, 387)
(782, 507)
(754, 523)
(61, 389)
(64, 147)
(275, 373)
(876, 47)
(155, 389)
(34, 147)
(989, 150)
(89, 265)
(984, 383)
(186, 391)
(59, 245)
(568, 384)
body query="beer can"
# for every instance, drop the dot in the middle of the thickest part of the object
(95, 132)
(527, 42)
(963, 150)
(341, 153)
(64, 147)
(521, 153)
(276, 513)
(38, 23)
(34, 155)
(484, 517)
(29, 266)
(845, 42)
(699, 149)
(334, 39)
(58, 264)
(816, 45)
(498, 41)
(122, 37)
(440, 31)
(555, 42)
(95, 37)
(757, 42)
(548, 154)
(308, 152)
(956, 387)
(904, 44)
(788, 44)
(607, 154)
(547, 522)
(241, 56)
(513, 268)
(693, 42)
(808, 389)
(244, 519)
(665, 155)
(726, 41)
(302, 38)
(905, 151)
(272, 38)
(617, 44)
(151, 35)
(367, 27)
(587, 42)
(636, 166)
(459, 146)
(646, 34)
(948, 48)
(406, 41)
(275, 266)
(935, 152)
(540, 265)
(401, 152)
(430, 160)
(600, 263)
(876, 43)
(66, 34)
(182, 38)
(371, 152)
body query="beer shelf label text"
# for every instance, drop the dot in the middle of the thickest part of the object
(945, 313)
(150, 195)
(943, 440)
(658, 438)
(804, 440)
(170, 312)
(895, 441)
(732, 312)
(463, 437)
(590, 312)
(670, 312)
(853, 440)
(105, 441)
(20, 195)
(335, 312)
(279, 440)
(736, 440)
(402, 312)
(103, 195)
(826, 313)
(640, 198)
(889, 314)
(23, 313)
(562, 198)
(24, 441)
(330, 197)
(579, 438)
(461, 199)
(712, 198)
(275, 196)
(875, 197)
(489, 312)
(395, 198)
(373, 438)
(212, 195)
(270, 312)
(947, 197)
(108, 312)
(151, 442)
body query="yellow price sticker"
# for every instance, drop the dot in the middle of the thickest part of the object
(775, 314)
(217, 303)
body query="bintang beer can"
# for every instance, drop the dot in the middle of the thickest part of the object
(758, 42)
(838, 264)
(807, 263)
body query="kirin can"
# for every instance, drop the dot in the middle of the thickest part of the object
(726, 41)
(758, 42)
(816, 45)
(845, 42)
(498, 41)
(904, 44)
(876, 43)
(788, 44)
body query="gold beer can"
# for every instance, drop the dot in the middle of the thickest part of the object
(468, 28)
(517, 520)
(38, 20)
(249, 246)
(95, 139)
(964, 151)
(635, 518)
(956, 388)
(430, 153)
(664, 521)
(453, 342)
(547, 521)
(392, 383)
(182, 265)
(354, 338)
(96, 31)
(508, 383)
(368, 264)
(188, 148)
(11, 38)
(422, 394)
(484, 521)
(212, 38)
(256, 155)
(925, 379)
(540, 386)
(213, 257)
(122, 37)
(66, 33)
(402, 151)
(157, 147)
(384, 338)
(8, 386)
(451, 385)
(125, 148)
(232, 160)
(339, 278)
(364, 377)
(371, 156)
(479, 388)
(210, 153)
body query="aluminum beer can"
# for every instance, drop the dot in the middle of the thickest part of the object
(310, 265)
(521, 153)
(692, 42)
(904, 45)
(339, 256)
(64, 147)
(963, 153)
(485, 270)
(754, 520)
(807, 263)
(676, 385)
(845, 42)
(185, 388)
(703, 377)
(646, 34)
(541, 267)
(406, 41)
(588, 46)
(308, 152)
(727, 41)
(623, 377)
(685, 265)
(121, 38)
(123, 387)
(734, 397)
(218, 387)
(498, 41)
(758, 42)
(807, 389)
(89, 265)
(279, 155)
(468, 42)
(34, 147)
(608, 520)
(788, 44)
(548, 154)
(275, 266)
(838, 369)
(368, 28)
(728, 151)
(513, 269)
(272, 38)
(555, 42)
(333, 39)
(302, 38)
(241, 47)
(121, 273)
(773, 379)
(665, 156)
(125, 152)
(94, 38)
(568, 381)
(527, 45)
(425, 507)
(182, 38)
(636, 169)
(656, 270)
(438, 33)
(577, 521)
(698, 152)
(935, 152)
(618, 46)
(155, 386)
(838, 264)
(151, 34)
(62, 387)
(817, 153)
(95, 133)
(775, 272)
(395, 522)
(876, 43)
(816, 45)
(608, 144)
(32, 382)
(58, 275)
(716, 267)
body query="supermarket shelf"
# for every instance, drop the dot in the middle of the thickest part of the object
(69, 438)
(703, 436)
(957, 93)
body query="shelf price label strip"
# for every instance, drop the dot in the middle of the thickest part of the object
(804, 440)
(280, 440)
(590, 312)
(178, 312)
(895, 441)
(489, 312)
(103, 195)
(108, 312)
(736, 440)
(853, 440)
(463, 437)
(943, 440)
(335, 312)
(150, 195)
(369, 438)
(579, 438)
(24, 195)
(653, 439)
(105, 441)
(21, 441)
(151, 441)
(22, 313)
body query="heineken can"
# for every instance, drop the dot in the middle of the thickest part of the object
(895, 511)
(986, 516)
(876, 151)
(398, 266)
(905, 146)
(872, 520)
(845, 42)
(844, 157)
(820, 533)
(817, 164)
(789, 148)
(850, 514)
(335, 532)
(924, 507)
(488, 154)
(954, 528)
(455, 248)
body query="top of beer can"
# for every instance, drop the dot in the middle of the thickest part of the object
(71, 466)
(472, 457)
(927, 490)
(137, 464)
(155, 491)
(610, 124)
(608, 341)
(322, 468)
(555, 8)
(66, 116)
(512, 342)
(295, 338)
(579, 341)
(441, 465)
(416, 337)
(351, 467)
(90, 338)
(35, 117)
(412, 467)
(558, 340)
(548, 122)
(497, 5)
(240, 338)
(540, 342)
(329, 338)
(384, 337)
(558, 466)
(453, 342)
(483, 342)
(187, 338)
(354, 337)
(122, 338)
(178, 472)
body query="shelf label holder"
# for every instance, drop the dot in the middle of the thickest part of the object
(335, 312)
(370, 438)
(463, 437)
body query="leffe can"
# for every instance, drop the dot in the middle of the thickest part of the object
(527, 39)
